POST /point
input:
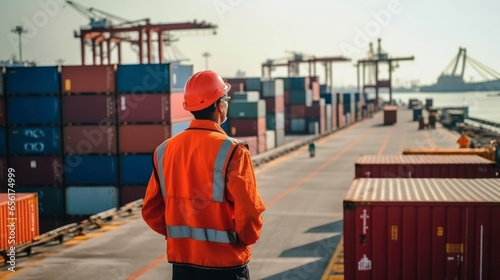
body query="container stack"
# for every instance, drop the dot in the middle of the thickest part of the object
(349, 108)
(273, 94)
(89, 130)
(340, 116)
(34, 135)
(179, 118)
(247, 115)
(297, 97)
(144, 122)
(330, 107)
(316, 117)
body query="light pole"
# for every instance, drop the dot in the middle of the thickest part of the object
(206, 55)
(19, 30)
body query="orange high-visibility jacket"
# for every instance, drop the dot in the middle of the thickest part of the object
(202, 196)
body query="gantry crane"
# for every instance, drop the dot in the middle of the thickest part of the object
(372, 63)
(104, 35)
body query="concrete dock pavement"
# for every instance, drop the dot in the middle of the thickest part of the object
(302, 221)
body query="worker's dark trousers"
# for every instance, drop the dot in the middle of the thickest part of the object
(187, 272)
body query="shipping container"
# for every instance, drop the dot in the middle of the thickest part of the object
(143, 78)
(50, 200)
(316, 110)
(90, 170)
(37, 170)
(144, 108)
(131, 193)
(328, 118)
(90, 200)
(237, 84)
(424, 166)
(412, 102)
(142, 138)
(248, 127)
(87, 139)
(246, 109)
(180, 74)
(315, 89)
(428, 103)
(32, 80)
(390, 115)
(275, 104)
(313, 127)
(253, 84)
(298, 83)
(328, 97)
(298, 125)
(252, 96)
(261, 143)
(88, 79)
(275, 121)
(2, 84)
(297, 111)
(270, 139)
(18, 220)
(280, 137)
(301, 97)
(135, 169)
(179, 127)
(272, 88)
(75, 109)
(178, 113)
(422, 229)
(482, 152)
(34, 140)
(34, 110)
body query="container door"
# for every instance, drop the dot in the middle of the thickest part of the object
(454, 244)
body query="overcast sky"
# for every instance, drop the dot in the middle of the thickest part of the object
(251, 31)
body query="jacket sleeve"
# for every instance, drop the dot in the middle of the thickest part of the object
(242, 191)
(153, 209)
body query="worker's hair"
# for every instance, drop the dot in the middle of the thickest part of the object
(207, 113)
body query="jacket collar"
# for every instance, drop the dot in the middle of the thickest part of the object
(206, 124)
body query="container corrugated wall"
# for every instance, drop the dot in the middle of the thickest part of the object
(422, 229)
(35, 140)
(32, 80)
(34, 110)
(143, 78)
(75, 109)
(424, 166)
(37, 170)
(90, 139)
(50, 200)
(135, 169)
(142, 138)
(25, 217)
(144, 108)
(390, 115)
(90, 170)
(88, 79)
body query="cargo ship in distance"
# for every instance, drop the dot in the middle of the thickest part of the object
(453, 81)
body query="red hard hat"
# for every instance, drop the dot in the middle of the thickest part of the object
(203, 89)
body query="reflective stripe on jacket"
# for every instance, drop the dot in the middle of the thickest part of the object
(203, 197)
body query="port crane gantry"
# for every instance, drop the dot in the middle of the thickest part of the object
(103, 35)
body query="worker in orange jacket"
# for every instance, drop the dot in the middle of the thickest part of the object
(463, 141)
(202, 195)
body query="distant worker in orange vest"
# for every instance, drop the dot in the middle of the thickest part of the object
(202, 195)
(463, 141)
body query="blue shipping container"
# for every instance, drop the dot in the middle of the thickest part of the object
(357, 97)
(50, 200)
(328, 97)
(34, 141)
(179, 76)
(90, 200)
(179, 127)
(32, 80)
(143, 78)
(298, 83)
(347, 98)
(34, 110)
(3, 145)
(135, 169)
(90, 170)
(252, 84)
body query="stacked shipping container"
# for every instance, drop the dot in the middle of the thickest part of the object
(90, 138)
(273, 94)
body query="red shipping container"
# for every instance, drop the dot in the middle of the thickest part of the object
(131, 193)
(37, 170)
(339, 98)
(237, 84)
(424, 166)
(275, 104)
(18, 219)
(315, 91)
(390, 115)
(316, 110)
(297, 111)
(88, 79)
(144, 108)
(177, 108)
(88, 109)
(422, 229)
(90, 139)
(142, 138)
(287, 98)
(261, 143)
(247, 127)
(252, 143)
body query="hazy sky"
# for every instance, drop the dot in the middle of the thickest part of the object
(251, 31)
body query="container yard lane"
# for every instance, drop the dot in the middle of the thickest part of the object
(303, 221)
